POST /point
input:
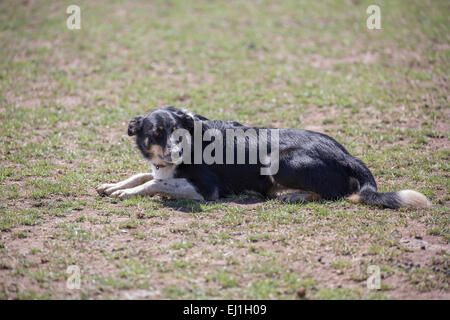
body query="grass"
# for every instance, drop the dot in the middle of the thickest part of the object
(66, 98)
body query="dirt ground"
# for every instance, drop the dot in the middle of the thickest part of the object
(66, 97)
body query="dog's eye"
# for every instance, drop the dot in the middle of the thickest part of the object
(158, 130)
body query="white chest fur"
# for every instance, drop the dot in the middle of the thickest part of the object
(163, 173)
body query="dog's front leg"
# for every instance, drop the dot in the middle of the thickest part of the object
(131, 182)
(174, 188)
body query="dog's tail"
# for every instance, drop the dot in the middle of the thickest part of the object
(368, 191)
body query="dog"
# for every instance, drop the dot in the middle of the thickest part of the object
(311, 166)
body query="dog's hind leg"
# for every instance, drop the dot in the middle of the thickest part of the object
(174, 188)
(131, 182)
(291, 195)
(299, 196)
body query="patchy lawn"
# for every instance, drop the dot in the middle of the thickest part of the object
(66, 98)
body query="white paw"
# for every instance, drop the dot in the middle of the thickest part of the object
(123, 194)
(102, 189)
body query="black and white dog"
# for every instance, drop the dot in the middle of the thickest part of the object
(310, 165)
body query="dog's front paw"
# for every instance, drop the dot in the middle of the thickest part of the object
(123, 194)
(103, 188)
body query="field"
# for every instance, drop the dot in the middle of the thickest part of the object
(66, 97)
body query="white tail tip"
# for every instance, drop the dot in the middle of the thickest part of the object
(413, 199)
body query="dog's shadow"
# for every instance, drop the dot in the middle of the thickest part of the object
(186, 205)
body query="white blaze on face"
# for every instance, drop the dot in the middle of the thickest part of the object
(180, 142)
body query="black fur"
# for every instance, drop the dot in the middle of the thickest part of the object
(135, 125)
(309, 161)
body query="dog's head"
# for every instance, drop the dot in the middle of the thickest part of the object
(153, 132)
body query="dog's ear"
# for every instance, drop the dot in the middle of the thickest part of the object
(135, 125)
(185, 118)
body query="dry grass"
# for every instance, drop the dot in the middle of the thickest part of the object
(66, 97)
